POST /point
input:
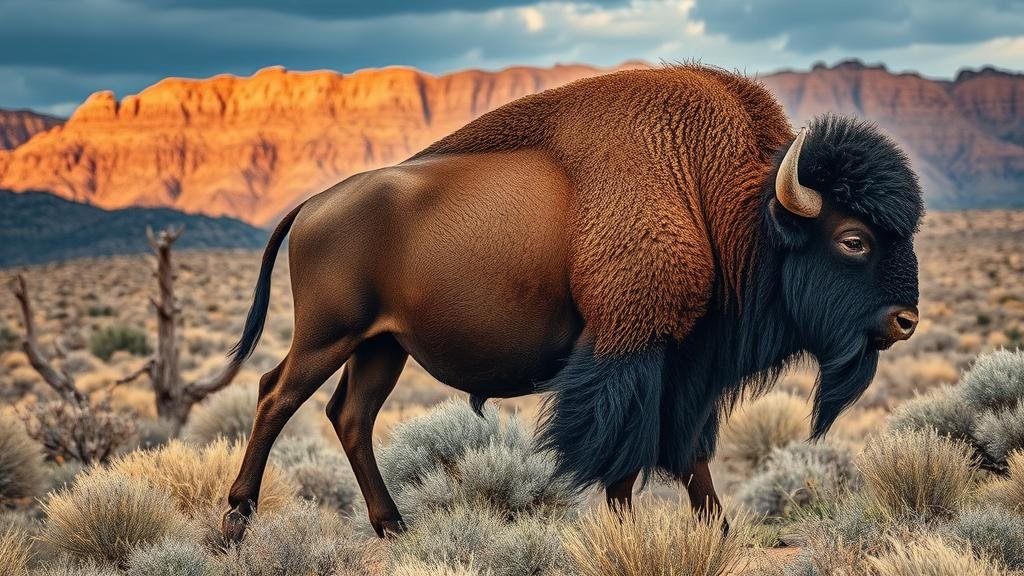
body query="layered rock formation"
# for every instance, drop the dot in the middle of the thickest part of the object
(253, 147)
(17, 126)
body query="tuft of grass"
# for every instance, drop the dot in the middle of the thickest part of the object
(105, 514)
(992, 531)
(941, 408)
(453, 456)
(798, 476)
(757, 428)
(21, 460)
(931, 556)
(66, 566)
(197, 478)
(1008, 491)
(170, 557)
(478, 535)
(104, 342)
(916, 472)
(420, 568)
(300, 539)
(654, 538)
(15, 551)
(230, 413)
(321, 472)
(438, 438)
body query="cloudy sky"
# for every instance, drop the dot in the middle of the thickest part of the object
(53, 53)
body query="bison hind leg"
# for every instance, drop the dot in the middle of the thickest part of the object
(602, 419)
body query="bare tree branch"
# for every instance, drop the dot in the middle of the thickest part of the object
(146, 368)
(61, 381)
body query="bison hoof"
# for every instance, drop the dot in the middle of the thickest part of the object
(389, 528)
(233, 525)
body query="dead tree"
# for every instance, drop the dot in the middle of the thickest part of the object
(71, 427)
(174, 398)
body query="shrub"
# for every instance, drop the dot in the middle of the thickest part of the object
(71, 567)
(839, 540)
(918, 472)
(227, 414)
(60, 476)
(796, 476)
(198, 477)
(15, 551)
(941, 409)
(321, 473)
(759, 427)
(931, 556)
(654, 538)
(301, 539)
(230, 413)
(497, 467)
(1000, 432)
(9, 339)
(68, 432)
(105, 514)
(21, 460)
(461, 535)
(169, 557)
(993, 532)
(103, 343)
(996, 380)
(438, 438)
(419, 568)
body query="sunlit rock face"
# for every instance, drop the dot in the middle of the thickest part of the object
(253, 147)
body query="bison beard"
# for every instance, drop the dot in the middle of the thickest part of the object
(832, 325)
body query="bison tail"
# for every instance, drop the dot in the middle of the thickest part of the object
(261, 294)
(602, 419)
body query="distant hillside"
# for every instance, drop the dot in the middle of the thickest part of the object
(17, 126)
(37, 227)
(254, 147)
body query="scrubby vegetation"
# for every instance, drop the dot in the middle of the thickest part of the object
(925, 475)
(106, 341)
(21, 460)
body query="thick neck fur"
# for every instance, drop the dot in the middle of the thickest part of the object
(750, 337)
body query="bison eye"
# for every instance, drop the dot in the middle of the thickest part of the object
(853, 245)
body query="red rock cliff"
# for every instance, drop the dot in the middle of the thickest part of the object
(252, 147)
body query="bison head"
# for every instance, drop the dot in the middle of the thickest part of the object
(845, 209)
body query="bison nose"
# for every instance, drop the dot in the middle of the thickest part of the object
(902, 322)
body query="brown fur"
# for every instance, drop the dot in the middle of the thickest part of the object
(665, 167)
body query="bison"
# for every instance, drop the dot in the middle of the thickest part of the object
(647, 247)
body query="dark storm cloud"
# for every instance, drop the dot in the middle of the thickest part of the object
(51, 45)
(53, 53)
(868, 24)
(360, 9)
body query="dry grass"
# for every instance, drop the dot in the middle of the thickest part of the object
(419, 568)
(105, 514)
(931, 556)
(21, 460)
(758, 427)
(656, 538)
(917, 472)
(198, 478)
(1008, 491)
(15, 552)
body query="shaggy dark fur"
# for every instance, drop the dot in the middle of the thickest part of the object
(603, 415)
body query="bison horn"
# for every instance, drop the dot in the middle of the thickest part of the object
(794, 196)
